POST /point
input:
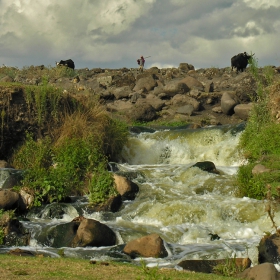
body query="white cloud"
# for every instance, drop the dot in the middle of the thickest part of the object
(262, 4)
(114, 33)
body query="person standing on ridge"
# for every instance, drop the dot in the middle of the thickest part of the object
(141, 63)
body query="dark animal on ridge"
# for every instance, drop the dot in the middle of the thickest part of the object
(240, 61)
(69, 63)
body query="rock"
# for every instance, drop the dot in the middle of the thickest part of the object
(259, 168)
(149, 83)
(4, 164)
(122, 92)
(228, 102)
(206, 166)
(126, 188)
(142, 112)
(148, 246)
(113, 204)
(21, 253)
(182, 99)
(192, 83)
(185, 67)
(10, 177)
(8, 199)
(175, 87)
(93, 233)
(243, 110)
(265, 271)
(269, 249)
(14, 232)
(119, 106)
(208, 266)
(186, 110)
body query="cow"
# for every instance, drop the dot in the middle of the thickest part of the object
(240, 61)
(68, 63)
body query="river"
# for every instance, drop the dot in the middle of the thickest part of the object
(181, 203)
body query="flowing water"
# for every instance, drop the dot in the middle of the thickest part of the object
(181, 203)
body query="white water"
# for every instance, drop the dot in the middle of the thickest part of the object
(183, 204)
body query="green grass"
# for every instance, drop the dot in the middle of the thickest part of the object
(41, 268)
(260, 142)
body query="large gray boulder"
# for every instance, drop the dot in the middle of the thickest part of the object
(242, 111)
(175, 87)
(149, 83)
(228, 102)
(142, 112)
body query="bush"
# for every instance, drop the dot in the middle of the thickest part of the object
(74, 161)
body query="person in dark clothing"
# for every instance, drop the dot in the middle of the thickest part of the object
(141, 63)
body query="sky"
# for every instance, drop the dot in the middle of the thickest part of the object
(115, 33)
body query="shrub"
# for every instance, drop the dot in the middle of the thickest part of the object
(74, 160)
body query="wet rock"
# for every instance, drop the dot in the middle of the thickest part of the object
(113, 204)
(8, 199)
(126, 188)
(93, 233)
(10, 177)
(269, 249)
(148, 246)
(206, 166)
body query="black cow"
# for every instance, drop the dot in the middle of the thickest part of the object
(69, 63)
(240, 61)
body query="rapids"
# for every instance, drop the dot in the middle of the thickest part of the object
(183, 204)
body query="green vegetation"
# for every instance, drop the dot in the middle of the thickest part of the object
(229, 268)
(5, 216)
(260, 142)
(71, 158)
(40, 268)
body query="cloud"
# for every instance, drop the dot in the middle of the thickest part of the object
(114, 33)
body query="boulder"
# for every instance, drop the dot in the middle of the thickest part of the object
(112, 204)
(10, 177)
(269, 249)
(175, 87)
(121, 92)
(242, 111)
(182, 99)
(186, 110)
(264, 271)
(14, 232)
(206, 166)
(142, 112)
(208, 266)
(149, 83)
(192, 83)
(93, 233)
(8, 199)
(259, 168)
(126, 188)
(228, 102)
(148, 246)
(119, 106)
(185, 67)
